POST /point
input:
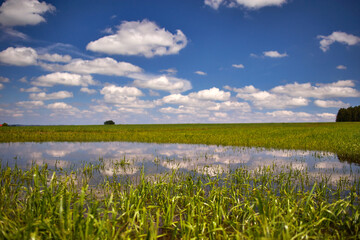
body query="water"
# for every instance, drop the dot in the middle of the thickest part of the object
(125, 158)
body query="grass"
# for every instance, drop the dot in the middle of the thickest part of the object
(268, 203)
(340, 138)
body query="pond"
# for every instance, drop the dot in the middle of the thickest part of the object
(129, 158)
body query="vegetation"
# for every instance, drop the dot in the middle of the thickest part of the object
(268, 203)
(340, 138)
(109, 122)
(5, 125)
(351, 114)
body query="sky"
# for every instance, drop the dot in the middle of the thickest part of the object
(177, 61)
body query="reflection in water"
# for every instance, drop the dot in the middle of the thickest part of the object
(125, 158)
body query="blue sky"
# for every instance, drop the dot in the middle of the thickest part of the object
(178, 61)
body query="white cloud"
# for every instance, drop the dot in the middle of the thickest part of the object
(274, 54)
(264, 99)
(331, 104)
(214, 94)
(115, 94)
(20, 56)
(341, 67)
(249, 4)
(221, 115)
(11, 113)
(4, 79)
(238, 66)
(106, 66)
(340, 37)
(1, 86)
(30, 104)
(55, 57)
(289, 115)
(143, 38)
(342, 88)
(214, 3)
(23, 12)
(330, 116)
(87, 90)
(32, 89)
(51, 96)
(163, 82)
(64, 78)
(59, 106)
(200, 73)
(256, 4)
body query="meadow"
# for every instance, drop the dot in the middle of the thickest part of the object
(340, 138)
(269, 202)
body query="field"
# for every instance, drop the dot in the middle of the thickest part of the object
(340, 138)
(271, 202)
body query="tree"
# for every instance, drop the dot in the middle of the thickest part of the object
(351, 114)
(5, 125)
(109, 122)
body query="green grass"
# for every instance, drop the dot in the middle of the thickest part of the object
(268, 203)
(340, 138)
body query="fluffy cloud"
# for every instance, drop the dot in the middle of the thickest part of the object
(106, 66)
(214, 94)
(30, 104)
(331, 104)
(238, 66)
(213, 3)
(202, 104)
(274, 54)
(342, 88)
(55, 57)
(21, 56)
(32, 89)
(143, 38)
(51, 96)
(200, 73)
(249, 4)
(264, 99)
(115, 94)
(329, 116)
(64, 78)
(59, 106)
(288, 114)
(341, 37)
(87, 90)
(23, 12)
(1, 86)
(163, 82)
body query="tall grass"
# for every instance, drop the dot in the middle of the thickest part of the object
(340, 138)
(269, 203)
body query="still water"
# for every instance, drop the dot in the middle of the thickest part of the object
(160, 158)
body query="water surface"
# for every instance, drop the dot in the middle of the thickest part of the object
(125, 158)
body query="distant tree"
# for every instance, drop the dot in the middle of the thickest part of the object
(5, 125)
(109, 122)
(351, 114)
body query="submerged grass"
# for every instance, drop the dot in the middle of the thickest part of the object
(340, 138)
(268, 203)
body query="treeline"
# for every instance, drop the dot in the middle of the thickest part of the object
(351, 114)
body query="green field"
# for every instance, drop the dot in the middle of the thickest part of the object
(272, 202)
(269, 203)
(340, 138)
